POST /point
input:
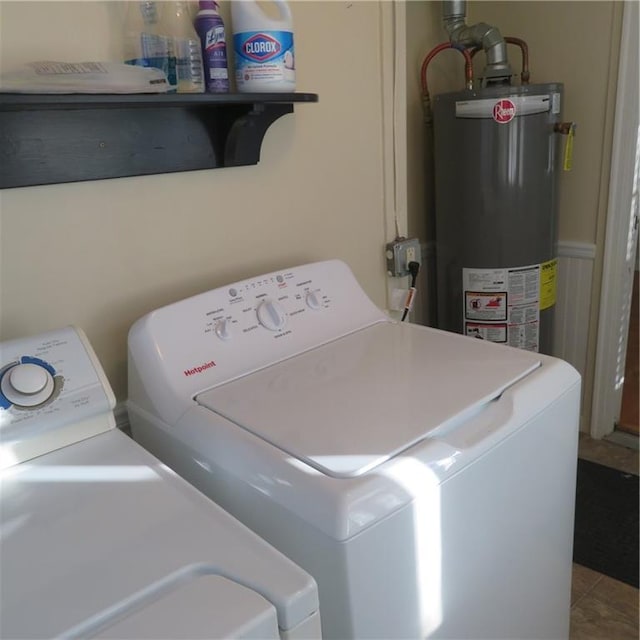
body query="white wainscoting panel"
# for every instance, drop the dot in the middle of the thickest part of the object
(573, 302)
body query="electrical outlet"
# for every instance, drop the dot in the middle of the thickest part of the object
(400, 253)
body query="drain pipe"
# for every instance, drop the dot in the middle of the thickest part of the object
(482, 35)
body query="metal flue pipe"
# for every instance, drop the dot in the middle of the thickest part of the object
(477, 35)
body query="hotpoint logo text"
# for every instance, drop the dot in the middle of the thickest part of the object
(200, 368)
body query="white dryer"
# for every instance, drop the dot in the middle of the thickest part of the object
(100, 539)
(425, 479)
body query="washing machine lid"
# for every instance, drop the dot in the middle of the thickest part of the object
(102, 538)
(352, 404)
(204, 607)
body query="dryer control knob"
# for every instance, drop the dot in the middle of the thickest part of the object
(222, 330)
(271, 315)
(27, 385)
(312, 300)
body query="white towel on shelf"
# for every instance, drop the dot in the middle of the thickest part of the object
(83, 77)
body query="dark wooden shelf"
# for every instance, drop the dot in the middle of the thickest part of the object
(46, 139)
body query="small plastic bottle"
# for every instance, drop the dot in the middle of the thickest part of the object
(144, 45)
(176, 24)
(210, 27)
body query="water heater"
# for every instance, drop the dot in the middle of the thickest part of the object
(496, 157)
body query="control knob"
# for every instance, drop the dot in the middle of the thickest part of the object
(27, 385)
(271, 315)
(222, 329)
(312, 300)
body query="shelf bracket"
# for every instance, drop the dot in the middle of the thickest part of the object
(244, 139)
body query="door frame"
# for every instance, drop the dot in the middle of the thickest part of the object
(621, 236)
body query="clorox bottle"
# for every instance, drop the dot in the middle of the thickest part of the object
(263, 48)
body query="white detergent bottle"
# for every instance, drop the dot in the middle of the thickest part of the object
(263, 47)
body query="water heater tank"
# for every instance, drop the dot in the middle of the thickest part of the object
(496, 157)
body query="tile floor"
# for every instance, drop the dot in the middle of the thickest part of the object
(602, 607)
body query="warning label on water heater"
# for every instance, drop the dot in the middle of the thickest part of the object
(503, 305)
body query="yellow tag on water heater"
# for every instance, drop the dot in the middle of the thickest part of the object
(548, 283)
(567, 163)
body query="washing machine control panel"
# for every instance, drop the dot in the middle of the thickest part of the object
(224, 333)
(274, 306)
(50, 384)
(267, 303)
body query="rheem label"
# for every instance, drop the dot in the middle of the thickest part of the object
(504, 111)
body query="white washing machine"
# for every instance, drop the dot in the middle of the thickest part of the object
(99, 539)
(425, 479)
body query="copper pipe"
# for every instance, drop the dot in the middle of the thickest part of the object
(468, 65)
(524, 74)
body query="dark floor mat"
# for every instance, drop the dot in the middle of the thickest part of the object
(606, 530)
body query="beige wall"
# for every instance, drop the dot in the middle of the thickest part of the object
(446, 73)
(100, 254)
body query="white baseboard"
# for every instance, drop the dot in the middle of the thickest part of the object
(122, 417)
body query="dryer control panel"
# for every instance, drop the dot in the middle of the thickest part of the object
(52, 392)
(217, 336)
